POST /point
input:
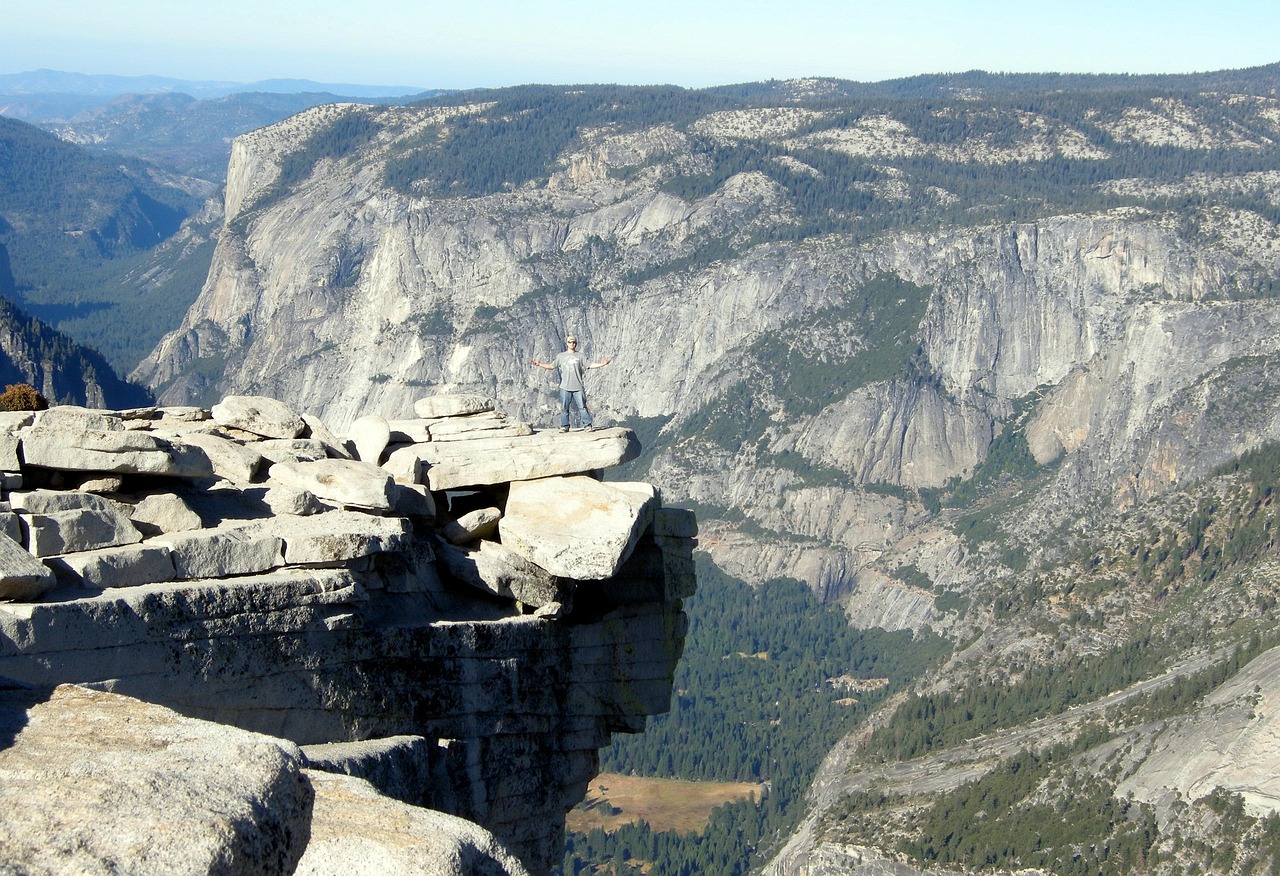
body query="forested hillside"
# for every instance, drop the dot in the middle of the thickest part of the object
(93, 242)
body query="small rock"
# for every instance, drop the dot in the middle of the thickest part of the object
(472, 526)
(164, 512)
(292, 449)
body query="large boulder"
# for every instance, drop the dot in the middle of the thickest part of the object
(230, 460)
(48, 445)
(369, 436)
(93, 782)
(341, 481)
(575, 527)
(481, 461)
(260, 415)
(337, 536)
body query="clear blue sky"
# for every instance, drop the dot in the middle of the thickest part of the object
(686, 42)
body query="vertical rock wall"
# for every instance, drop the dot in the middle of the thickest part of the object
(431, 679)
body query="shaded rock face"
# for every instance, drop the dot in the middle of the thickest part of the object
(341, 622)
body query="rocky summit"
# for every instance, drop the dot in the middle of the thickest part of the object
(232, 641)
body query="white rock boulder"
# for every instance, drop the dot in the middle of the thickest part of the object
(575, 527)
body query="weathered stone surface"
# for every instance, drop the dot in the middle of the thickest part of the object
(451, 405)
(544, 454)
(343, 481)
(53, 501)
(90, 776)
(22, 576)
(9, 452)
(125, 566)
(229, 549)
(11, 421)
(338, 535)
(80, 529)
(412, 500)
(491, 425)
(319, 431)
(112, 451)
(575, 527)
(231, 460)
(163, 512)
(355, 829)
(474, 525)
(411, 431)
(404, 464)
(496, 569)
(105, 484)
(260, 415)
(292, 449)
(369, 435)
(72, 418)
(281, 499)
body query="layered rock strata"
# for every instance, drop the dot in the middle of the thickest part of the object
(458, 649)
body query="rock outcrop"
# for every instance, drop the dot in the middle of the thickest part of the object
(180, 566)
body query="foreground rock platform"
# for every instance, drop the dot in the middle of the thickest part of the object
(370, 599)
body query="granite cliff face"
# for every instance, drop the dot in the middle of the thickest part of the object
(775, 366)
(243, 566)
(929, 398)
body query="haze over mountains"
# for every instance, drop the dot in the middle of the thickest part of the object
(988, 360)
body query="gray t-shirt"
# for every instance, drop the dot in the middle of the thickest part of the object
(572, 365)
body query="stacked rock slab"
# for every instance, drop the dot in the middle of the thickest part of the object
(385, 601)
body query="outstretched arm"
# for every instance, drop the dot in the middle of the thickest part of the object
(546, 365)
(603, 362)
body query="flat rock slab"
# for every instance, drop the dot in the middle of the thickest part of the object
(230, 549)
(125, 566)
(79, 529)
(90, 776)
(480, 461)
(341, 481)
(260, 415)
(354, 829)
(336, 536)
(455, 405)
(112, 451)
(575, 527)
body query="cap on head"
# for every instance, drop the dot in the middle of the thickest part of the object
(571, 340)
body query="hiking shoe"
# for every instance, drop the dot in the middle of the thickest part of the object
(564, 428)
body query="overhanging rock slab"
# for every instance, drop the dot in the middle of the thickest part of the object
(575, 527)
(451, 464)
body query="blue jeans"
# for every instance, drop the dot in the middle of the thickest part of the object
(578, 399)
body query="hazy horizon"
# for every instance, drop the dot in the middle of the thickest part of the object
(692, 44)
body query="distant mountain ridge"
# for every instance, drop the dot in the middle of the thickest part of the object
(108, 86)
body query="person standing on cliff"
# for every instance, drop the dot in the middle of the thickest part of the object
(572, 366)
